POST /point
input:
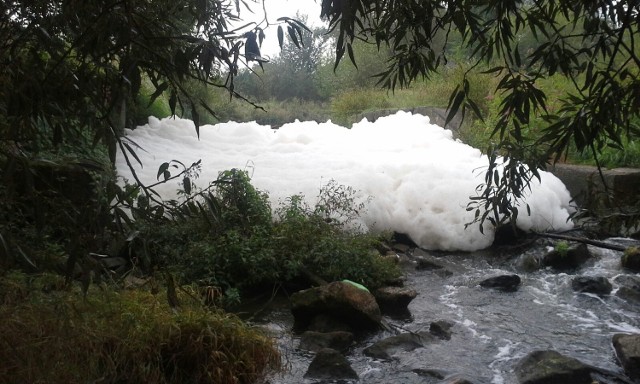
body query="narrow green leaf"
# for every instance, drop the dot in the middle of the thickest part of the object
(173, 99)
(186, 183)
(162, 169)
(293, 36)
(195, 116)
(133, 153)
(280, 36)
(159, 90)
(454, 104)
(351, 55)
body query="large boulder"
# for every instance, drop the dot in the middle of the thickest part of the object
(550, 367)
(627, 349)
(325, 323)
(342, 301)
(599, 285)
(629, 289)
(330, 364)
(630, 294)
(567, 257)
(631, 259)
(394, 299)
(441, 329)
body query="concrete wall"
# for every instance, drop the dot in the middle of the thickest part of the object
(586, 185)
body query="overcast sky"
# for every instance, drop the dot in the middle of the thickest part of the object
(276, 9)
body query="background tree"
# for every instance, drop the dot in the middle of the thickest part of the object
(593, 43)
(293, 73)
(296, 69)
(72, 70)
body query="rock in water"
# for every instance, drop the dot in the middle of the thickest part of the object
(631, 259)
(316, 341)
(441, 329)
(628, 352)
(385, 348)
(394, 299)
(353, 306)
(599, 285)
(505, 283)
(329, 364)
(550, 367)
(571, 258)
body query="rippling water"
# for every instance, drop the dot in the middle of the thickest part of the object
(493, 330)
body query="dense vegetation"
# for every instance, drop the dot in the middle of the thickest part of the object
(51, 333)
(108, 282)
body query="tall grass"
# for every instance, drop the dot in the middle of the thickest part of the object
(477, 133)
(50, 335)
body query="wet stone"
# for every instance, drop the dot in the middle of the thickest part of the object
(441, 329)
(323, 323)
(339, 300)
(630, 294)
(386, 348)
(505, 283)
(627, 349)
(548, 367)
(315, 341)
(428, 263)
(402, 248)
(394, 299)
(431, 373)
(631, 259)
(598, 285)
(331, 365)
(573, 257)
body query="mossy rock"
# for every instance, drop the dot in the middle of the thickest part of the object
(631, 259)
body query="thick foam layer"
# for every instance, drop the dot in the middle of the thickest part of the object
(418, 177)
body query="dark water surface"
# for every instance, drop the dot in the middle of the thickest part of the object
(492, 330)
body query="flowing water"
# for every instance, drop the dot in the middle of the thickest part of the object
(492, 329)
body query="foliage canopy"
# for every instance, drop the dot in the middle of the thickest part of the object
(593, 43)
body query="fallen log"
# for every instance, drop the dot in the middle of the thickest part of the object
(596, 243)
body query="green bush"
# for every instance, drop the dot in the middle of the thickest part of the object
(228, 238)
(324, 241)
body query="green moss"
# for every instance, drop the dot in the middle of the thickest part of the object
(562, 247)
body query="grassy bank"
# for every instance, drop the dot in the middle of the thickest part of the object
(52, 333)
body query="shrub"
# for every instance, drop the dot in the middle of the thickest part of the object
(228, 238)
(324, 240)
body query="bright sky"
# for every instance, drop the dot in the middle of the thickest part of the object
(418, 177)
(276, 9)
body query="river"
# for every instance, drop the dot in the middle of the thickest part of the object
(492, 330)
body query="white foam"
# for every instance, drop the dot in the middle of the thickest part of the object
(419, 178)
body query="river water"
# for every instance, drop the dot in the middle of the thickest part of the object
(492, 330)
